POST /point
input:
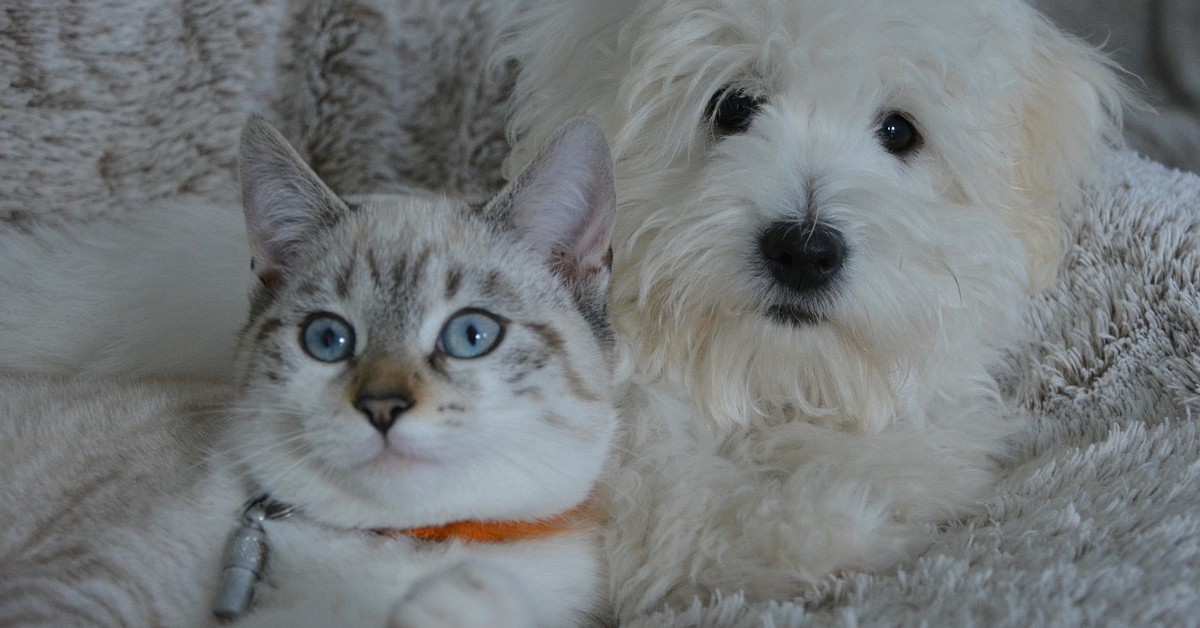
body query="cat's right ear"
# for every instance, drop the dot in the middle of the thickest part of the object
(286, 203)
(563, 203)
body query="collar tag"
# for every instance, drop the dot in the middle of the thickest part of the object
(245, 558)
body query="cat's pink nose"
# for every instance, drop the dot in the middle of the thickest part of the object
(383, 410)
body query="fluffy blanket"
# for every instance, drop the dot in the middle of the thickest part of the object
(109, 105)
(113, 105)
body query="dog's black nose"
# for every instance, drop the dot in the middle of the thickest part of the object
(803, 256)
(383, 410)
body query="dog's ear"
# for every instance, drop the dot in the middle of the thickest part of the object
(1069, 108)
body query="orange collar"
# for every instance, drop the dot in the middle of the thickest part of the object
(577, 519)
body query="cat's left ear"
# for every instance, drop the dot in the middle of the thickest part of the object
(563, 203)
(286, 203)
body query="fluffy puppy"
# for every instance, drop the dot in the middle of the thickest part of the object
(830, 212)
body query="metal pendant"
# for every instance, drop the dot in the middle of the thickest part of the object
(245, 558)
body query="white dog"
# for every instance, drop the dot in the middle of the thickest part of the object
(830, 212)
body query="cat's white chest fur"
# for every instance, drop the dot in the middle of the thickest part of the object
(321, 577)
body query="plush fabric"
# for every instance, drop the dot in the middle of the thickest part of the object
(112, 105)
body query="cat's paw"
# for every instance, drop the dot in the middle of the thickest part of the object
(467, 595)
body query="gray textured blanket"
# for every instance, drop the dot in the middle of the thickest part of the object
(111, 105)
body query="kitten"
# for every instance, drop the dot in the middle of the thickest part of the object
(423, 388)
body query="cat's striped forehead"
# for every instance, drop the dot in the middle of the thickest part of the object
(400, 259)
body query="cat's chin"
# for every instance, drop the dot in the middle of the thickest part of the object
(390, 460)
(392, 455)
(395, 490)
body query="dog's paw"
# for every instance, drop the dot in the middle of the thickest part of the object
(467, 595)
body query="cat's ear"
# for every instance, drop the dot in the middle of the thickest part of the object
(286, 203)
(563, 203)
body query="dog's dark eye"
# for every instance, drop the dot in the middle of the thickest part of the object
(898, 135)
(731, 112)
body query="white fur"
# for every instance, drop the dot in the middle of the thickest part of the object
(124, 524)
(109, 297)
(762, 456)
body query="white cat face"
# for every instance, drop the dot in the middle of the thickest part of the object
(412, 361)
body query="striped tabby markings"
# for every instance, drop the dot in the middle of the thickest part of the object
(453, 281)
(373, 266)
(555, 342)
(346, 274)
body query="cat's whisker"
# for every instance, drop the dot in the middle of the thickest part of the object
(278, 407)
(267, 446)
(518, 462)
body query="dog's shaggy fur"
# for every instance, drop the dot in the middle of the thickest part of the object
(829, 214)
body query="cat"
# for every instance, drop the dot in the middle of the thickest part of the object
(422, 405)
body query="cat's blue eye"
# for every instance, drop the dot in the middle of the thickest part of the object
(470, 334)
(327, 337)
